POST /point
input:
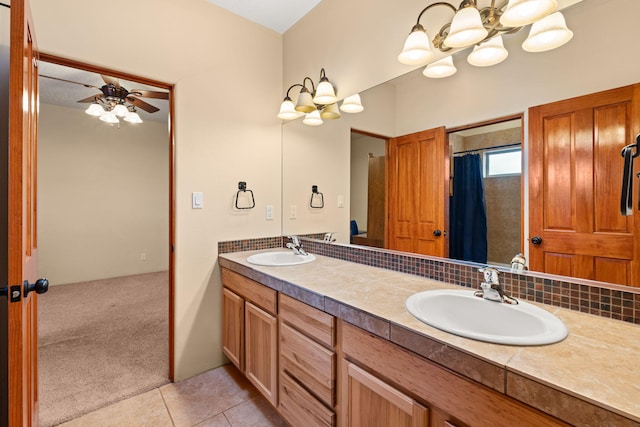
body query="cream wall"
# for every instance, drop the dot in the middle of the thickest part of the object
(361, 147)
(103, 197)
(218, 63)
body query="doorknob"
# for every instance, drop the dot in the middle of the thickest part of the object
(437, 233)
(41, 286)
(536, 240)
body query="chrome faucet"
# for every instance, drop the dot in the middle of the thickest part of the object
(491, 289)
(295, 245)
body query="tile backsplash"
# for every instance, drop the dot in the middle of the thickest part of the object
(611, 301)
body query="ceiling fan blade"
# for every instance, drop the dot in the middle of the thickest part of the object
(149, 94)
(142, 105)
(110, 80)
(68, 81)
(92, 98)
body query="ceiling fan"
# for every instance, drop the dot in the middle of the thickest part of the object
(112, 94)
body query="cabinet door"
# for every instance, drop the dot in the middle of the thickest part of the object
(233, 327)
(371, 402)
(261, 357)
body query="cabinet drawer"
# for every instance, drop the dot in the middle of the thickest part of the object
(309, 362)
(260, 295)
(311, 321)
(300, 408)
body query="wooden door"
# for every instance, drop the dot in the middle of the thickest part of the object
(22, 234)
(261, 351)
(418, 183)
(575, 175)
(233, 327)
(371, 402)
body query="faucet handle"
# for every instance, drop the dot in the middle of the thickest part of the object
(490, 275)
(295, 240)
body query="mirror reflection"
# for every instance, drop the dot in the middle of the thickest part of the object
(412, 104)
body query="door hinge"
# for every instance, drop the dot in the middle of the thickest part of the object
(14, 293)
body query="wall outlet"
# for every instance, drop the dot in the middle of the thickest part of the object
(143, 256)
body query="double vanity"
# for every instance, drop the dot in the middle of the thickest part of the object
(330, 342)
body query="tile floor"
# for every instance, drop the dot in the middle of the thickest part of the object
(221, 397)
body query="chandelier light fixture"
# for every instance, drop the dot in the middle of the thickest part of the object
(111, 111)
(483, 28)
(317, 103)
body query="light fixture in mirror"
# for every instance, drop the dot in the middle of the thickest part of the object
(471, 26)
(548, 33)
(318, 103)
(489, 53)
(440, 69)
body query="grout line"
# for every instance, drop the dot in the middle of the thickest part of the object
(167, 407)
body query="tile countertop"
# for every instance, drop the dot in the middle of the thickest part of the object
(590, 378)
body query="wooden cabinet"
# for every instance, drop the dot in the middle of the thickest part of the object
(370, 401)
(250, 331)
(261, 342)
(307, 364)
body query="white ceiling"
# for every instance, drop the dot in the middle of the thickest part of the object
(68, 94)
(279, 15)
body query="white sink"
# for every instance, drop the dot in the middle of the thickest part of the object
(279, 258)
(461, 313)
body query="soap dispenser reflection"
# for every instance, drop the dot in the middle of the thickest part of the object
(518, 262)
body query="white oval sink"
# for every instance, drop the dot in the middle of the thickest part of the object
(461, 313)
(280, 258)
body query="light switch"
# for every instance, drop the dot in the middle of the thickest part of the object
(341, 201)
(196, 200)
(268, 213)
(293, 212)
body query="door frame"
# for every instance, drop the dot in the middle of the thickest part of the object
(44, 57)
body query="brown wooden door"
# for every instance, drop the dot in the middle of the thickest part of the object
(22, 260)
(575, 175)
(418, 180)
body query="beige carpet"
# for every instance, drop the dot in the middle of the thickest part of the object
(100, 342)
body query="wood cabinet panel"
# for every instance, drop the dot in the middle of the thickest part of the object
(261, 344)
(309, 362)
(260, 295)
(299, 408)
(313, 322)
(469, 402)
(372, 402)
(233, 327)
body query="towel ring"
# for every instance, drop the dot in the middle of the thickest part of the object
(242, 187)
(315, 194)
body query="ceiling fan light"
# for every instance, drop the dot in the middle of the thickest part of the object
(439, 69)
(325, 93)
(466, 28)
(95, 110)
(109, 117)
(120, 110)
(313, 118)
(417, 48)
(489, 53)
(288, 110)
(132, 117)
(330, 112)
(305, 102)
(352, 104)
(548, 33)
(524, 12)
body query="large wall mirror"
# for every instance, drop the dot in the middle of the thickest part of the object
(411, 103)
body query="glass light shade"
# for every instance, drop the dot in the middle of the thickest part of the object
(325, 94)
(132, 117)
(288, 110)
(330, 112)
(489, 53)
(548, 33)
(305, 102)
(466, 28)
(95, 110)
(312, 118)
(417, 48)
(352, 104)
(120, 110)
(524, 12)
(109, 117)
(442, 68)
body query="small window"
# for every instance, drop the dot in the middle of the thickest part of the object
(502, 162)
